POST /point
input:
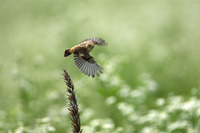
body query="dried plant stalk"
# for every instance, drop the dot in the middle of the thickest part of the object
(73, 106)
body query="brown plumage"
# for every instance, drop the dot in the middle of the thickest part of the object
(83, 60)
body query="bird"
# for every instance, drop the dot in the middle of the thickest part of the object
(83, 60)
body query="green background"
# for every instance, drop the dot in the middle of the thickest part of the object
(151, 79)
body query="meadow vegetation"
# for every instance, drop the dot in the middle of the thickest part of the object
(151, 79)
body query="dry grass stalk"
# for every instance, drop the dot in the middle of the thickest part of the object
(73, 106)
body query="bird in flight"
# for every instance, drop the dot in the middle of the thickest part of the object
(83, 60)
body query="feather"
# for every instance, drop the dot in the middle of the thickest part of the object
(98, 41)
(87, 66)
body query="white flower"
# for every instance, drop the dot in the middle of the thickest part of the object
(137, 94)
(115, 80)
(108, 126)
(152, 116)
(124, 91)
(190, 105)
(125, 108)
(95, 122)
(177, 125)
(110, 100)
(175, 103)
(151, 85)
(19, 130)
(88, 129)
(149, 130)
(87, 114)
(51, 128)
(119, 129)
(163, 115)
(44, 120)
(160, 102)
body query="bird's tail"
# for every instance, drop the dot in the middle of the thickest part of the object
(67, 52)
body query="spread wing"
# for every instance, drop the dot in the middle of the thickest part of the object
(87, 65)
(98, 41)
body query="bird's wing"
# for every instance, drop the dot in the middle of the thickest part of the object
(87, 65)
(98, 41)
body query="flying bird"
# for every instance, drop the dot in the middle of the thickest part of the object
(83, 60)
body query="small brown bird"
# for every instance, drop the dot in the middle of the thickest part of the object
(83, 60)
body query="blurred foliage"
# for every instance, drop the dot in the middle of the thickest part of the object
(151, 66)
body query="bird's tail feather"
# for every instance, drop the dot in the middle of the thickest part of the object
(67, 52)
